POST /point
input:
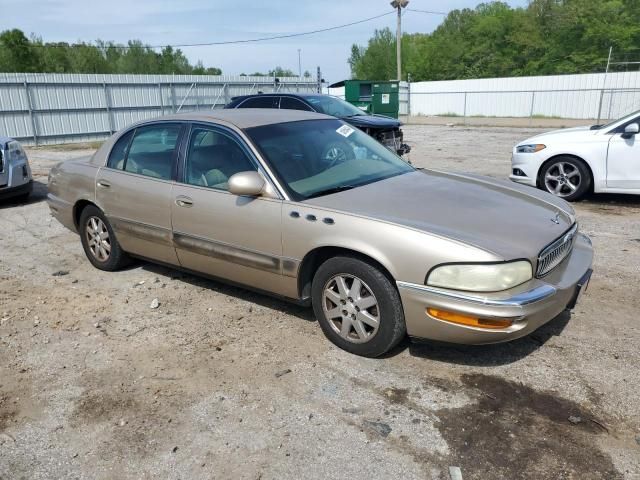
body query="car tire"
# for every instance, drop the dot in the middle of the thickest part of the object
(369, 320)
(99, 241)
(566, 177)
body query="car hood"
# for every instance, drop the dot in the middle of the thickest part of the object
(562, 135)
(509, 220)
(375, 121)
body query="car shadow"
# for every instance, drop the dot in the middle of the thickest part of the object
(258, 298)
(490, 355)
(472, 355)
(39, 194)
(621, 199)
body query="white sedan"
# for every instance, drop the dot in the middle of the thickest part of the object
(574, 161)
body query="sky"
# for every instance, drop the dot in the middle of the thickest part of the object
(160, 22)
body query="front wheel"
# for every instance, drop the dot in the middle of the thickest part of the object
(357, 306)
(566, 177)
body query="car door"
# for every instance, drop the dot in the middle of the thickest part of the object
(623, 159)
(233, 237)
(134, 189)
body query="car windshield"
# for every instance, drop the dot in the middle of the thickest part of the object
(319, 157)
(610, 124)
(333, 106)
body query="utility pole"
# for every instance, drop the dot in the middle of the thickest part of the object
(399, 5)
(604, 84)
(299, 64)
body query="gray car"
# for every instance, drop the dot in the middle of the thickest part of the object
(15, 173)
(381, 250)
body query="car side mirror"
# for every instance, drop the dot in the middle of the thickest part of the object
(631, 130)
(250, 184)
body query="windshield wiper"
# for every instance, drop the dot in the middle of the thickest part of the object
(329, 191)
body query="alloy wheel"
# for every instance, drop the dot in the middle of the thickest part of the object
(98, 239)
(351, 308)
(562, 179)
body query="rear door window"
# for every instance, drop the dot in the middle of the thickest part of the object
(152, 150)
(119, 151)
(260, 102)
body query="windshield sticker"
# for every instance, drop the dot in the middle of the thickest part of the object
(345, 130)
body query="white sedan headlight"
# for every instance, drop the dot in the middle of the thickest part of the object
(530, 148)
(481, 277)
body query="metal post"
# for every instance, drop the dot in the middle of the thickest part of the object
(173, 97)
(107, 102)
(186, 96)
(604, 84)
(408, 95)
(533, 101)
(464, 114)
(161, 100)
(31, 115)
(399, 44)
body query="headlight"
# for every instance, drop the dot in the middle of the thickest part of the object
(530, 148)
(481, 277)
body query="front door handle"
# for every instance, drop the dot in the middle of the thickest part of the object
(104, 184)
(182, 201)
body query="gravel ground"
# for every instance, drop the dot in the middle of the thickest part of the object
(218, 382)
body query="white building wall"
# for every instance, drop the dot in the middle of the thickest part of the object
(564, 96)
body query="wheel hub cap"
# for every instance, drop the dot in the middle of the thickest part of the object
(351, 308)
(98, 239)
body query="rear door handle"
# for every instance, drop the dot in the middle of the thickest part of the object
(182, 201)
(104, 184)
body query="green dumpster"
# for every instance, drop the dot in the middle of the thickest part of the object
(380, 97)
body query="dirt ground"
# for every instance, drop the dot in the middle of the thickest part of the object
(223, 383)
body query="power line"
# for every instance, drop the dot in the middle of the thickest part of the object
(426, 11)
(229, 42)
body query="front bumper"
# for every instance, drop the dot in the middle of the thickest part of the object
(530, 305)
(23, 189)
(527, 166)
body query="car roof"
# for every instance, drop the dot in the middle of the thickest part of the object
(4, 139)
(245, 117)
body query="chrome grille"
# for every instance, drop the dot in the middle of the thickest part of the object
(556, 252)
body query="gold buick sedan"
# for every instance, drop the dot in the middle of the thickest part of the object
(302, 206)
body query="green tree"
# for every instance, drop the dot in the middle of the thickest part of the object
(493, 40)
(20, 54)
(16, 52)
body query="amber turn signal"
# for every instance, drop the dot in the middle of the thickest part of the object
(461, 319)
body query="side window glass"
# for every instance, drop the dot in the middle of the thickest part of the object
(260, 102)
(213, 157)
(152, 151)
(119, 151)
(290, 103)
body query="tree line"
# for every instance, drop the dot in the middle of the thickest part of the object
(21, 54)
(494, 40)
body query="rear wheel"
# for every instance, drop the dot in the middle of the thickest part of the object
(99, 241)
(566, 177)
(357, 306)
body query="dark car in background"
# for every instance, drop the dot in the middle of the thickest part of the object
(384, 129)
